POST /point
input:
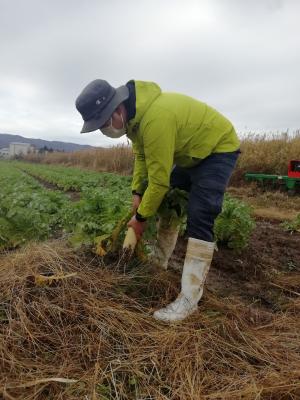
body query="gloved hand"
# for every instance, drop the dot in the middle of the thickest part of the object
(136, 201)
(139, 227)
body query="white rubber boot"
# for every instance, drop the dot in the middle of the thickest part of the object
(196, 265)
(165, 244)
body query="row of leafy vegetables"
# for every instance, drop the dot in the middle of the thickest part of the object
(29, 211)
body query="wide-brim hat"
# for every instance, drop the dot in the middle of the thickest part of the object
(97, 102)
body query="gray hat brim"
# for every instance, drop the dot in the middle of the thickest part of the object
(122, 93)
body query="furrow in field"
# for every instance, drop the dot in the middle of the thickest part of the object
(75, 179)
(29, 211)
(72, 195)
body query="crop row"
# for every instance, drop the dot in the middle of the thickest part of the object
(75, 179)
(29, 211)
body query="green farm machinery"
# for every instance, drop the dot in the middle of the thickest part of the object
(289, 182)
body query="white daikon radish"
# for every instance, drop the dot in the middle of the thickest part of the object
(130, 240)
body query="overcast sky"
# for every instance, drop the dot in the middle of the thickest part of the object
(241, 57)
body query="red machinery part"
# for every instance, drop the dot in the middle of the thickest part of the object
(294, 169)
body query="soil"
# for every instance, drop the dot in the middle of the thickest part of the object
(253, 275)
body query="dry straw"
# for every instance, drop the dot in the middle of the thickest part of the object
(92, 336)
(112, 159)
(268, 153)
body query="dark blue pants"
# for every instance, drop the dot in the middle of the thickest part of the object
(206, 184)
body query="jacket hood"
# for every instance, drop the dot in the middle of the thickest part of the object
(146, 93)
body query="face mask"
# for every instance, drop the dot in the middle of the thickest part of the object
(113, 132)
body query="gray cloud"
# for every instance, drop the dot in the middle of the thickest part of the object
(240, 57)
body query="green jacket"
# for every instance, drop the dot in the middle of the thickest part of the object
(168, 129)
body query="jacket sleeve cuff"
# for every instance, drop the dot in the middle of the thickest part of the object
(134, 192)
(140, 218)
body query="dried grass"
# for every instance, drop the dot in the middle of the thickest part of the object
(273, 205)
(97, 329)
(268, 153)
(112, 159)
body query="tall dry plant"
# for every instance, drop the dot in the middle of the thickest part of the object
(268, 153)
(112, 159)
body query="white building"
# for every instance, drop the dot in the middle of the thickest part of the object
(4, 152)
(17, 149)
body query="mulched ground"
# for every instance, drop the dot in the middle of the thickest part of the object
(93, 337)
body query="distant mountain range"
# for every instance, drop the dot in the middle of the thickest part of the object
(6, 139)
